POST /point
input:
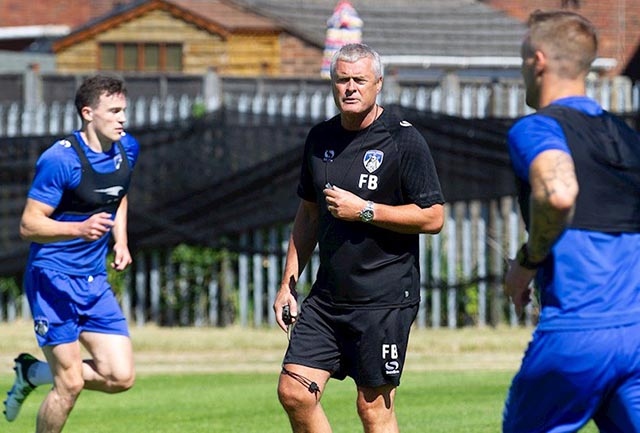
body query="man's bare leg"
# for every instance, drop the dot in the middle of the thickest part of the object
(376, 409)
(302, 405)
(109, 370)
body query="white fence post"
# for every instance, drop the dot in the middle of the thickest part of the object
(258, 278)
(154, 286)
(273, 274)
(141, 293)
(243, 281)
(452, 260)
(421, 320)
(436, 277)
(480, 216)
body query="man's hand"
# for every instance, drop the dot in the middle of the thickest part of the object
(121, 257)
(517, 285)
(286, 297)
(96, 226)
(343, 204)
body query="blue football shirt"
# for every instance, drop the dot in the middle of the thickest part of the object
(58, 169)
(594, 278)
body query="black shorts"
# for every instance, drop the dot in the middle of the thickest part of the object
(368, 345)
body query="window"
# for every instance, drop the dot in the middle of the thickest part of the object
(129, 57)
(108, 59)
(151, 57)
(143, 57)
(174, 57)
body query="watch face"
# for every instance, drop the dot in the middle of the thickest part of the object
(366, 215)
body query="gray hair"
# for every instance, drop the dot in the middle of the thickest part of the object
(354, 52)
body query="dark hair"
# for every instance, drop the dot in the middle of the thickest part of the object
(89, 92)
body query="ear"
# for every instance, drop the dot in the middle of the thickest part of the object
(87, 114)
(379, 85)
(540, 60)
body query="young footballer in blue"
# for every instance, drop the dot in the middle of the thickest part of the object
(368, 187)
(76, 205)
(578, 168)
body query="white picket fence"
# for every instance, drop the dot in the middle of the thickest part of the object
(59, 119)
(461, 278)
(462, 266)
(460, 285)
(472, 99)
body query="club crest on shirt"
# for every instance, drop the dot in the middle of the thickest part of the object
(64, 143)
(373, 160)
(41, 326)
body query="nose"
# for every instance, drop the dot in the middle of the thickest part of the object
(350, 86)
(351, 83)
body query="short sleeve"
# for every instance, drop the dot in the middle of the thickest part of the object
(57, 169)
(530, 136)
(420, 182)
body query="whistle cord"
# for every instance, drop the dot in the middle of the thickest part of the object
(309, 384)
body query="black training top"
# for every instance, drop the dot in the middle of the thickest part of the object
(97, 192)
(606, 152)
(389, 162)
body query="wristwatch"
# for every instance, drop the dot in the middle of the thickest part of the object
(523, 259)
(366, 214)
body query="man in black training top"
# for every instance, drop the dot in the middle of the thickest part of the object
(368, 187)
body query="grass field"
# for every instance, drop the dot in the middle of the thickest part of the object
(213, 380)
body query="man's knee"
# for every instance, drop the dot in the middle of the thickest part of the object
(67, 387)
(291, 398)
(373, 414)
(70, 386)
(294, 396)
(375, 405)
(122, 381)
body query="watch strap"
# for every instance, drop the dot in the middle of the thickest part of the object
(366, 214)
(523, 258)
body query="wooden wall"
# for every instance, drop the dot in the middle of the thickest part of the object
(253, 55)
(239, 54)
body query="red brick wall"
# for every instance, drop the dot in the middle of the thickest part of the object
(41, 12)
(617, 21)
(299, 58)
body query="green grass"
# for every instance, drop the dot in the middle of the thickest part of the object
(451, 402)
(214, 380)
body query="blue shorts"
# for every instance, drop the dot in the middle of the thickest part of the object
(63, 306)
(570, 377)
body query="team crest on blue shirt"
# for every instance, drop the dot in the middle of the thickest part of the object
(373, 160)
(41, 326)
(64, 143)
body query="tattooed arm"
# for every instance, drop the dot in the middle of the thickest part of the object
(554, 189)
